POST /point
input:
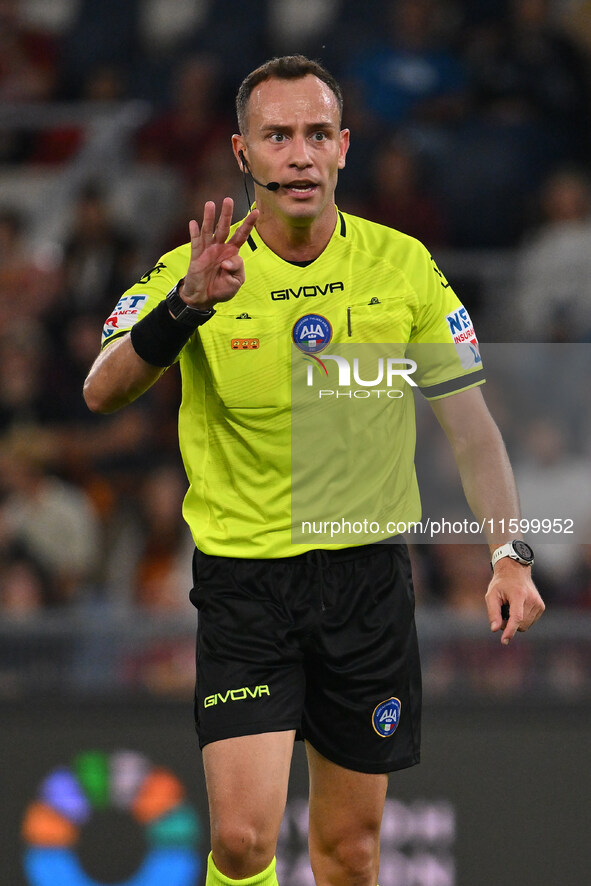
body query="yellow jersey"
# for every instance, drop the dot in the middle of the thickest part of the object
(281, 417)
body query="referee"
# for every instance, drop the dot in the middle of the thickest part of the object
(317, 640)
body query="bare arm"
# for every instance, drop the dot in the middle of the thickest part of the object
(489, 486)
(117, 377)
(215, 274)
(481, 457)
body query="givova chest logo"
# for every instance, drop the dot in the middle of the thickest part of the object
(309, 291)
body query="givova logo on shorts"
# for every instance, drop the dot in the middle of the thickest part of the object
(386, 717)
(241, 694)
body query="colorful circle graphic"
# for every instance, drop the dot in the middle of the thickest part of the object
(124, 782)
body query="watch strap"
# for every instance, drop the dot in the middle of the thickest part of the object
(184, 313)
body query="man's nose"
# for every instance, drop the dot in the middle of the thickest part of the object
(300, 152)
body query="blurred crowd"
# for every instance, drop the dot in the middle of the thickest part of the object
(470, 130)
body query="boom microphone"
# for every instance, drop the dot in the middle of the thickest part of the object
(272, 186)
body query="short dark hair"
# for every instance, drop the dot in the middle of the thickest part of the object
(286, 67)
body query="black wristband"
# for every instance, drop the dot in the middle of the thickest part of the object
(157, 338)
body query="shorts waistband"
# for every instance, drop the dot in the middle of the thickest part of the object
(342, 555)
(324, 556)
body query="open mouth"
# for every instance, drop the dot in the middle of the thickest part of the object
(301, 187)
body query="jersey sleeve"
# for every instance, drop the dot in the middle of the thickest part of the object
(143, 296)
(443, 341)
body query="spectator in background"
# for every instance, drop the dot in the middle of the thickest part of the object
(238, 45)
(27, 288)
(101, 34)
(458, 585)
(25, 589)
(554, 481)
(408, 81)
(411, 74)
(184, 133)
(397, 197)
(89, 459)
(553, 285)
(50, 519)
(28, 72)
(163, 564)
(159, 551)
(99, 257)
(25, 356)
(104, 84)
(218, 178)
(75, 337)
(527, 67)
(27, 58)
(296, 26)
(529, 112)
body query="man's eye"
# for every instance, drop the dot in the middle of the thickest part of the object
(277, 137)
(319, 136)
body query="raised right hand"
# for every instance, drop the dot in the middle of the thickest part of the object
(216, 270)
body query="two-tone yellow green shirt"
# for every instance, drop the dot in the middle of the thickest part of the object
(295, 400)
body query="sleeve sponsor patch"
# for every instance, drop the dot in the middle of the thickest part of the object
(464, 338)
(124, 314)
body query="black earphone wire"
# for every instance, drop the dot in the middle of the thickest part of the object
(245, 172)
(248, 200)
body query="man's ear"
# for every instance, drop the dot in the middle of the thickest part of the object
(343, 147)
(239, 149)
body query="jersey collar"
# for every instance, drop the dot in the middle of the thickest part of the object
(254, 241)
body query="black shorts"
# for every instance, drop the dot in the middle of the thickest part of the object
(323, 642)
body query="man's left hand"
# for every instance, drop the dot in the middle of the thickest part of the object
(512, 588)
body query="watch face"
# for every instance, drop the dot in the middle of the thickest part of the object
(523, 550)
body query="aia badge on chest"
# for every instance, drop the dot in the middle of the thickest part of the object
(386, 717)
(311, 333)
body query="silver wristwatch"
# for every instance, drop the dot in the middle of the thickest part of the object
(516, 550)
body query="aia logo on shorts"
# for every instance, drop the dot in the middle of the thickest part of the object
(386, 717)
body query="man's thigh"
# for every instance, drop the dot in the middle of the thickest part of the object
(247, 777)
(346, 809)
(343, 800)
